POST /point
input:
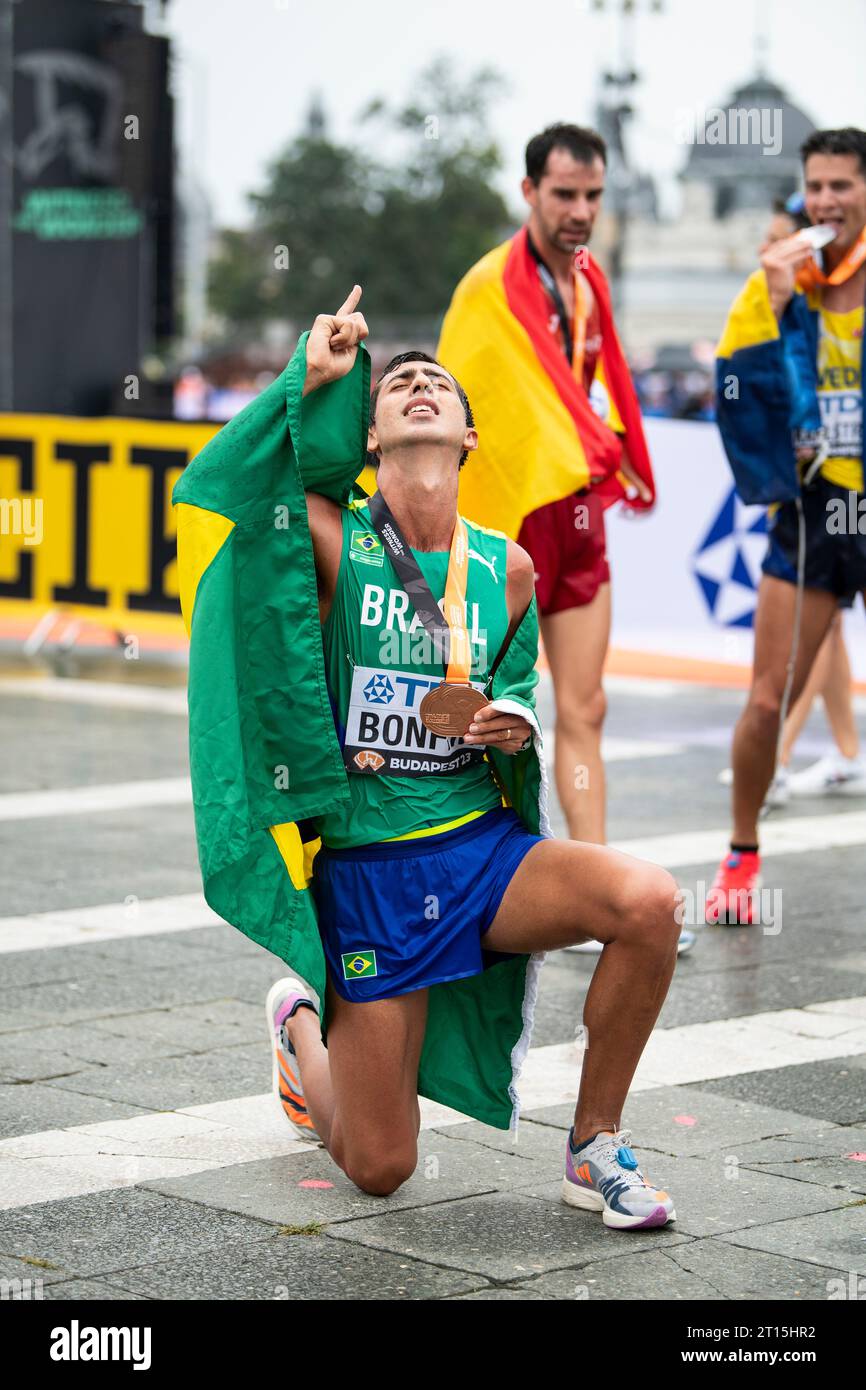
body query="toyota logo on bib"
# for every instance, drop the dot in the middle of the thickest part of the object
(379, 690)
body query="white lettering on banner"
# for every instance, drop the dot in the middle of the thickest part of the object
(661, 606)
(384, 732)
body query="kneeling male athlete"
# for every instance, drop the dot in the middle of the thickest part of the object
(447, 833)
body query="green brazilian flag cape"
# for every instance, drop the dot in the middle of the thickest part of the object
(264, 753)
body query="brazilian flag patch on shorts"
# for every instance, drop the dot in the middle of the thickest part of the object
(359, 965)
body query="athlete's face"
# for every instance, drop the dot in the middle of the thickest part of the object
(565, 201)
(836, 195)
(418, 403)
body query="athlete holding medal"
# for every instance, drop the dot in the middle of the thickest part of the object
(401, 573)
(793, 347)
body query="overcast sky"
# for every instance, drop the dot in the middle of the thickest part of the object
(246, 69)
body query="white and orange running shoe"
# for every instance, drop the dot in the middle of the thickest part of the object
(284, 999)
(602, 1174)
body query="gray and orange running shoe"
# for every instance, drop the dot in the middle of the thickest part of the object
(285, 997)
(602, 1174)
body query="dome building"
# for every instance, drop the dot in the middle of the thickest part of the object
(747, 153)
(681, 275)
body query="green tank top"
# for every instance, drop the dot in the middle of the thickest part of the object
(379, 663)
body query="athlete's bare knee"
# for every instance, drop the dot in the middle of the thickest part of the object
(381, 1173)
(648, 906)
(575, 715)
(765, 701)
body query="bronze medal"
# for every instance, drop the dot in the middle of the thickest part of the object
(448, 709)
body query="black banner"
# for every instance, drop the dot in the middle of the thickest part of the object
(91, 210)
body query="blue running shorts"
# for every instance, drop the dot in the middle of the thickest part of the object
(399, 916)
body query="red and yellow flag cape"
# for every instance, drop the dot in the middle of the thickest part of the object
(539, 438)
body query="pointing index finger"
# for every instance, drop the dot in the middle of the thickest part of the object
(350, 304)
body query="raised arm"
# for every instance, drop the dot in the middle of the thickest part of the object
(331, 351)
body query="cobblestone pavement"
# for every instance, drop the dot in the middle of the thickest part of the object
(142, 1155)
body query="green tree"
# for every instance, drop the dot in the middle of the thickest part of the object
(440, 210)
(406, 226)
(314, 206)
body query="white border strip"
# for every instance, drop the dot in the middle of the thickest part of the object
(788, 835)
(111, 796)
(110, 694)
(113, 1154)
(109, 922)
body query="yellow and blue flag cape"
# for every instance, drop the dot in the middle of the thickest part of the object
(767, 388)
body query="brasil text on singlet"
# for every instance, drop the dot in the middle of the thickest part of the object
(380, 662)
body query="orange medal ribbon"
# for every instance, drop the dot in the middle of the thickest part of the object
(448, 709)
(460, 654)
(811, 275)
(580, 317)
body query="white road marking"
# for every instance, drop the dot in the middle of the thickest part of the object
(172, 699)
(107, 922)
(699, 1052)
(183, 912)
(111, 796)
(112, 1154)
(785, 835)
(111, 694)
(58, 1163)
(651, 687)
(618, 750)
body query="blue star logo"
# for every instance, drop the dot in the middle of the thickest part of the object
(379, 690)
(727, 563)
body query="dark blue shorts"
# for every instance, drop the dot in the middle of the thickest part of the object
(835, 559)
(398, 917)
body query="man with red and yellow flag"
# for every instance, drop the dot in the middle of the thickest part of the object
(530, 331)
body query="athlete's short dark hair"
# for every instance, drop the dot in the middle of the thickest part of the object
(416, 355)
(582, 144)
(848, 140)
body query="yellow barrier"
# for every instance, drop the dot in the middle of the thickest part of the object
(86, 525)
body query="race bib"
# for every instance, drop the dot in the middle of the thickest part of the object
(384, 733)
(842, 421)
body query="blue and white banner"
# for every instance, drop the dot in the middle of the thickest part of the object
(685, 576)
